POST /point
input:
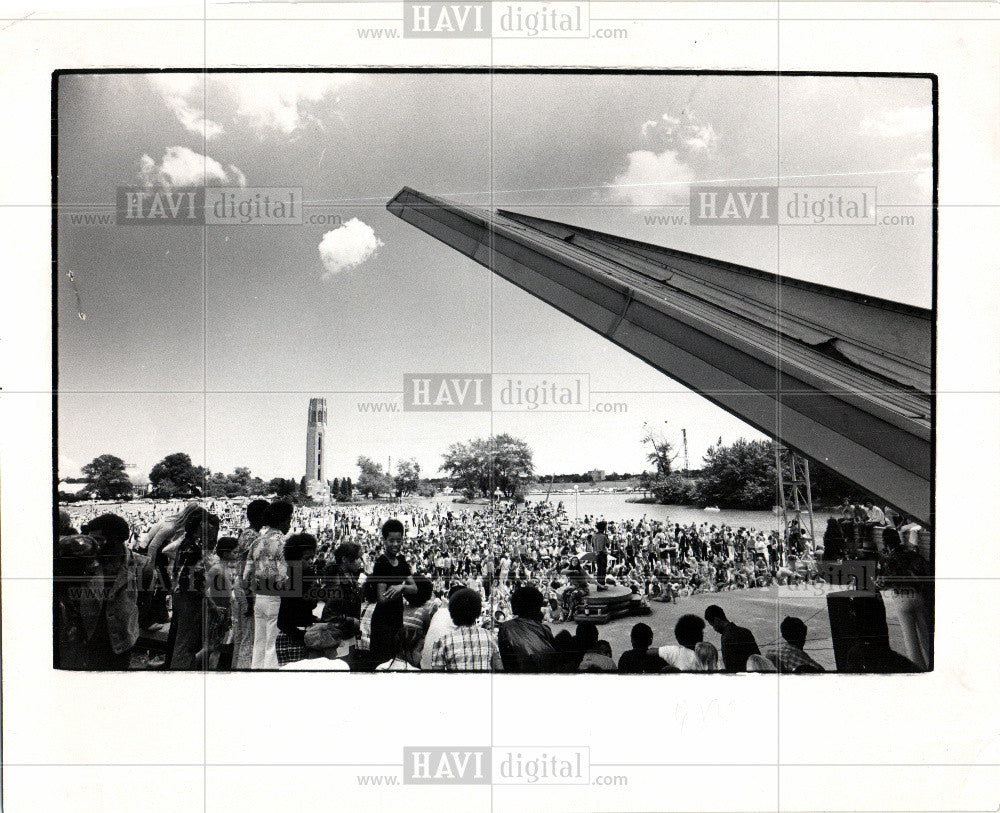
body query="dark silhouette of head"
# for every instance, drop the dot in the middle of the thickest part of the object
(642, 636)
(255, 513)
(425, 589)
(109, 527)
(689, 631)
(794, 631)
(527, 602)
(586, 636)
(465, 606)
(279, 515)
(715, 616)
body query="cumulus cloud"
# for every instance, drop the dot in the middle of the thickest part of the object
(903, 121)
(654, 179)
(701, 139)
(347, 247)
(265, 103)
(680, 132)
(183, 167)
(277, 101)
(661, 174)
(184, 95)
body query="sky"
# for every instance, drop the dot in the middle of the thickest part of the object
(212, 340)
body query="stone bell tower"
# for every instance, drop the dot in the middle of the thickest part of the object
(316, 456)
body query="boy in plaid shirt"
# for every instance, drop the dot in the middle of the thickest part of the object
(469, 648)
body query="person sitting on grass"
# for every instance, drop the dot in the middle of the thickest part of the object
(578, 589)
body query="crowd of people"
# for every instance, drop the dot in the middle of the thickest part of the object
(230, 584)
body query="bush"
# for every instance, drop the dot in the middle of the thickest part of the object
(676, 490)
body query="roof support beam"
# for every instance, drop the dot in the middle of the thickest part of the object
(872, 430)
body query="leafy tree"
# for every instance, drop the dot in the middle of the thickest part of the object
(215, 485)
(373, 480)
(677, 490)
(335, 487)
(485, 464)
(742, 475)
(348, 488)
(241, 479)
(66, 496)
(663, 454)
(829, 488)
(106, 478)
(176, 475)
(407, 477)
(467, 468)
(238, 484)
(281, 487)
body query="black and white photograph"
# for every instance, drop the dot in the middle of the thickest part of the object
(520, 371)
(575, 406)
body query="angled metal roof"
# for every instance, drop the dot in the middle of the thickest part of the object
(843, 378)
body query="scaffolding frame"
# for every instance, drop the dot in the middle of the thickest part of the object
(795, 494)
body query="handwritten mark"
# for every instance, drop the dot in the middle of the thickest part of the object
(79, 301)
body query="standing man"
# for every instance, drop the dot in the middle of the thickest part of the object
(738, 643)
(906, 588)
(600, 542)
(243, 618)
(391, 577)
(269, 575)
(101, 587)
(187, 620)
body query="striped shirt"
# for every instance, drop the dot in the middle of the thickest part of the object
(466, 649)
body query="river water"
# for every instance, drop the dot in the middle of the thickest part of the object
(616, 507)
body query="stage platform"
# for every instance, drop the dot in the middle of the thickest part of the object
(601, 606)
(761, 610)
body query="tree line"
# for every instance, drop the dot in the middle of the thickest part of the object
(739, 475)
(106, 478)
